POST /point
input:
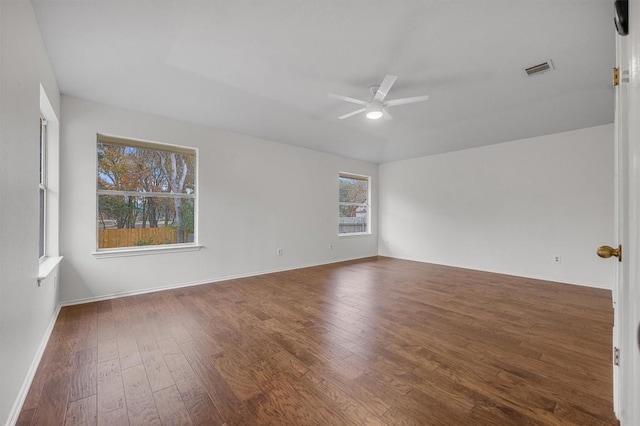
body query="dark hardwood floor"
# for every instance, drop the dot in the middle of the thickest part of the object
(370, 342)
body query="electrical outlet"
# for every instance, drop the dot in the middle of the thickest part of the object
(279, 251)
(557, 259)
(330, 246)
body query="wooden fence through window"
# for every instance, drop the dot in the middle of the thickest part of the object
(133, 237)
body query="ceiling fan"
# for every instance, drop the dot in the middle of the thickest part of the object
(375, 107)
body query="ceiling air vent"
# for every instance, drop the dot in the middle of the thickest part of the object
(540, 68)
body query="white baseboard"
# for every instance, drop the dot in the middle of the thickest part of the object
(495, 271)
(200, 282)
(24, 389)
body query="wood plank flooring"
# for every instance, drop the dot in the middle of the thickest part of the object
(372, 342)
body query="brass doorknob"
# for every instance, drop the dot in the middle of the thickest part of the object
(606, 252)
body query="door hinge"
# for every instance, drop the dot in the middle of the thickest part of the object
(616, 357)
(616, 76)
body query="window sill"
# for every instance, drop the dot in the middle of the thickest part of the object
(354, 234)
(47, 265)
(102, 254)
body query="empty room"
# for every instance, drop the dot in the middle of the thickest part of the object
(319, 212)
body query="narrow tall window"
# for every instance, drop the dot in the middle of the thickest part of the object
(353, 217)
(43, 188)
(146, 194)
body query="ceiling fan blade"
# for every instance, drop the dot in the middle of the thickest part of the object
(358, 111)
(384, 88)
(403, 101)
(348, 99)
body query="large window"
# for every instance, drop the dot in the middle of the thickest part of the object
(43, 188)
(146, 194)
(353, 217)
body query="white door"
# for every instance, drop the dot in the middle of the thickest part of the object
(626, 292)
(621, 213)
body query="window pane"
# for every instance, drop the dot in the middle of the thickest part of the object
(353, 190)
(42, 224)
(42, 134)
(140, 221)
(352, 219)
(130, 168)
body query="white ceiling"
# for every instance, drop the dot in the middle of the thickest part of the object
(265, 68)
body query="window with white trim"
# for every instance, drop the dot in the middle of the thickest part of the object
(43, 189)
(146, 194)
(353, 206)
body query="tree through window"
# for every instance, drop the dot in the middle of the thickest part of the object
(353, 217)
(146, 193)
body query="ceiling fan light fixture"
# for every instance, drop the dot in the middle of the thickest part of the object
(374, 115)
(374, 110)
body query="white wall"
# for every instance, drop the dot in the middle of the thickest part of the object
(507, 208)
(26, 310)
(254, 196)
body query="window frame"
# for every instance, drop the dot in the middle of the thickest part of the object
(156, 248)
(49, 231)
(367, 205)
